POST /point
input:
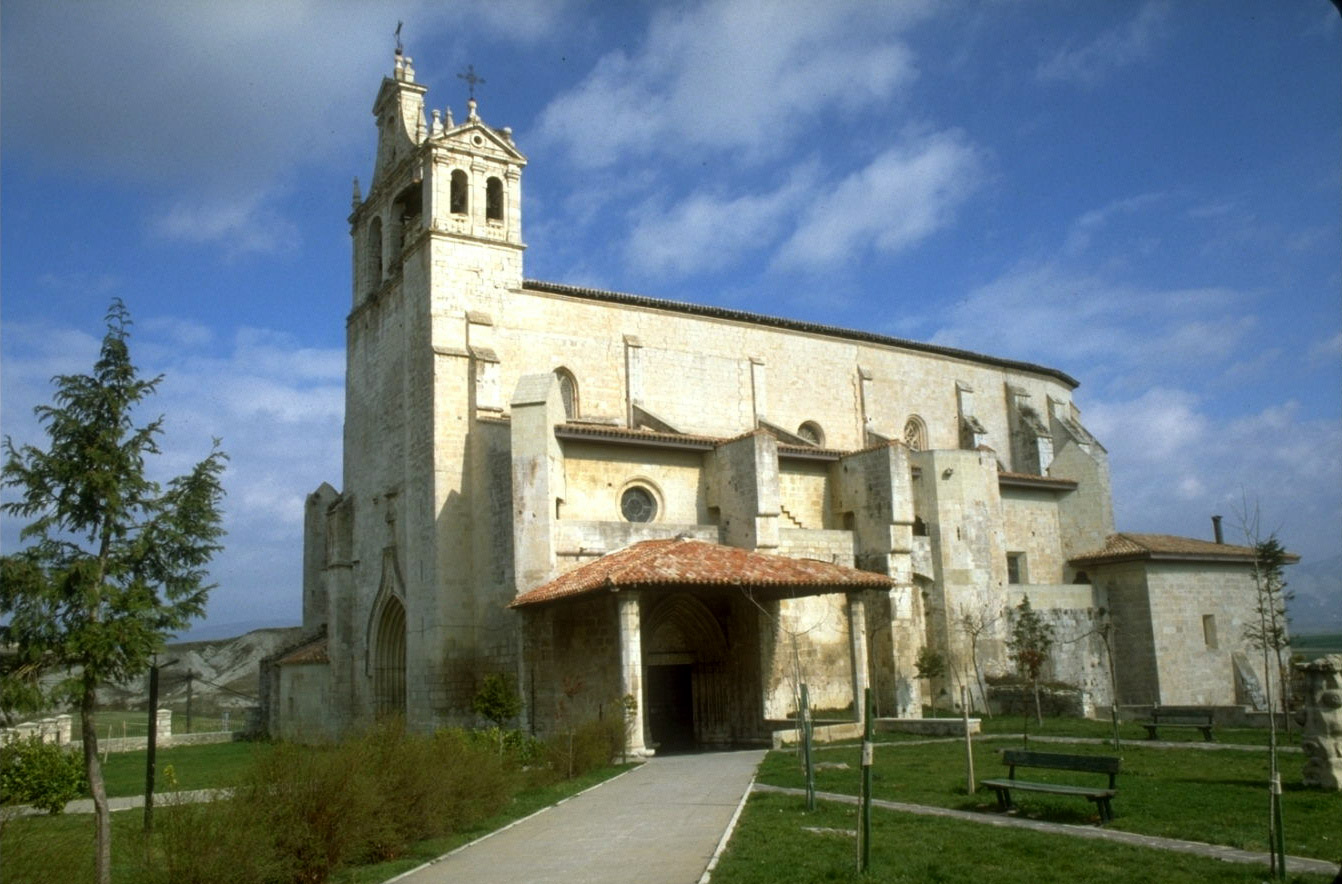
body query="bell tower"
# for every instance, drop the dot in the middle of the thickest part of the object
(437, 248)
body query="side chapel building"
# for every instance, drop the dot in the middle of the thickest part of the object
(608, 496)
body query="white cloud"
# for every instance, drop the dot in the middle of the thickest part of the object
(242, 224)
(1054, 313)
(1090, 223)
(903, 196)
(1327, 351)
(1175, 464)
(209, 108)
(1111, 51)
(740, 75)
(708, 231)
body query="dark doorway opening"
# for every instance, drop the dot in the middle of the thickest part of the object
(671, 708)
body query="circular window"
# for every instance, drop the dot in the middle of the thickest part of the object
(638, 505)
(478, 140)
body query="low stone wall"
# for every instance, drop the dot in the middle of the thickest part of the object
(58, 730)
(932, 727)
(821, 733)
(139, 744)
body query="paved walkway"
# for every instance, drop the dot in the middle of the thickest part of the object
(125, 802)
(660, 823)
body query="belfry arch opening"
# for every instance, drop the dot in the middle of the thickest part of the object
(493, 199)
(389, 659)
(458, 199)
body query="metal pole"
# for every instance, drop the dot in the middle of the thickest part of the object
(150, 748)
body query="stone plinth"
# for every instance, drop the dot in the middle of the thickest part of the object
(1322, 740)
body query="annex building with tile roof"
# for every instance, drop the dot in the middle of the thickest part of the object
(682, 513)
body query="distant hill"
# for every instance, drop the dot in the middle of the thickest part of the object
(223, 672)
(1317, 606)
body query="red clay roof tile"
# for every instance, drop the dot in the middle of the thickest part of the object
(683, 562)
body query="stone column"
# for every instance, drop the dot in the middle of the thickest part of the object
(631, 671)
(1322, 738)
(857, 632)
(164, 725)
(64, 726)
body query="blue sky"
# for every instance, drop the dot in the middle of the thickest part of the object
(1144, 195)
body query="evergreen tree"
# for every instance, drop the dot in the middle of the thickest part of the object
(115, 562)
(1030, 644)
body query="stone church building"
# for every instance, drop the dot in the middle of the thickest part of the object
(679, 513)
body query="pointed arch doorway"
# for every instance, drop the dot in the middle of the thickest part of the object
(688, 687)
(389, 659)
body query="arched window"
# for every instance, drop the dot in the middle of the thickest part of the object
(493, 200)
(459, 201)
(568, 391)
(811, 432)
(915, 433)
(373, 268)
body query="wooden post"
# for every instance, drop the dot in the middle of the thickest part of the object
(805, 714)
(150, 748)
(864, 830)
(969, 743)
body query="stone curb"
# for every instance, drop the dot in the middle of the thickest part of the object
(1197, 848)
(125, 802)
(1098, 741)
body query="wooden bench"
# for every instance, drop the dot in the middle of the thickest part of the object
(1101, 764)
(1201, 719)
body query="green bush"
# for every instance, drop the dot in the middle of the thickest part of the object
(318, 804)
(590, 745)
(41, 774)
(222, 842)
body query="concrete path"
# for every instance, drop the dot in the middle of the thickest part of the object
(660, 823)
(126, 802)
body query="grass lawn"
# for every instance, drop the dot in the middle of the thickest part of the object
(59, 849)
(209, 766)
(1201, 795)
(774, 841)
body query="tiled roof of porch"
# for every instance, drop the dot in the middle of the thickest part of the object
(681, 562)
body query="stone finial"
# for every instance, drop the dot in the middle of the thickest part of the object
(357, 199)
(447, 118)
(1322, 737)
(470, 110)
(436, 130)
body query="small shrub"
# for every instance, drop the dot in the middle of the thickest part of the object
(319, 805)
(590, 745)
(497, 701)
(220, 842)
(41, 774)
